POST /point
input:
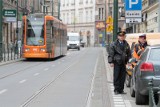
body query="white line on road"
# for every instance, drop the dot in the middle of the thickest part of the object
(22, 81)
(36, 74)
(3, 91)
(92, 84)
(46, 69)
(59, 62)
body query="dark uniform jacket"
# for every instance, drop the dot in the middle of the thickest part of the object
(118, 53)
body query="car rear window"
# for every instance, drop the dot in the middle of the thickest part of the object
(154, 55)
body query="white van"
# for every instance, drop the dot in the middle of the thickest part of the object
(73, 41)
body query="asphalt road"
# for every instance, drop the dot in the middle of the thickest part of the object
(64, 82)
(79, 79)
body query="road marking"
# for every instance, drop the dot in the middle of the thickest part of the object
(46, 69)
(127, 102)
(22, 81)
(53, 65)
(36, 74)
(59, 62)
(3, 91)
(118, 100)
(92, 84)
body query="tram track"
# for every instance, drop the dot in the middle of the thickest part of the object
(44, 87)
(21, 70)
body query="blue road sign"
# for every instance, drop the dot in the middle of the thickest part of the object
(133, 5)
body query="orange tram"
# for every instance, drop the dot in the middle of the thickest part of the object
(44, 36)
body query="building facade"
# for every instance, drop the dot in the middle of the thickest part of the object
(79, 15)
(150, 18)
(9, 27)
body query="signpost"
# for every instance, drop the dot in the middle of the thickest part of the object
(133, 12)
(9, 15)
(1, 18)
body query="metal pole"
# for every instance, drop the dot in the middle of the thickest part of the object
(74, 14)
(17, 21)
(1, 23)
(59, 9)
(159, 17)
(17, 36)
(115, 23)
(44, 3)
(52, 7)
(105, 22)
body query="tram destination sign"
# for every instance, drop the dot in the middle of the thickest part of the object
(9, 13)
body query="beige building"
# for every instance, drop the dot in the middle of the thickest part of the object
(79, 15)
(150, 13)
(150, 16)
(9, 27)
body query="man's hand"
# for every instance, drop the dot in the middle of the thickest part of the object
(112, 65)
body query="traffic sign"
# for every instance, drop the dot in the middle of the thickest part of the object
(133, 20)
(133, 5)
(133, 14)
(9, 13)
(9, 19)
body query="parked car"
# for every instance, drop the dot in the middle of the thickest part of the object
(132, 39)
(147, 68)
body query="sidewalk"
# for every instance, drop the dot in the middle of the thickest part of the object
(116, 100)
(10, 58)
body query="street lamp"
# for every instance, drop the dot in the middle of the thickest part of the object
(17, 22)
(59, 4)
(52, 7)
(115, 22)
(1, 17)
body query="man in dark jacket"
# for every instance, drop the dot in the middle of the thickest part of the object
(119, 54)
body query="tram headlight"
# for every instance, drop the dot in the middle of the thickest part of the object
(27, 49)
(42, 50)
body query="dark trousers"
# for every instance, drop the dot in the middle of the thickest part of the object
(119, 77)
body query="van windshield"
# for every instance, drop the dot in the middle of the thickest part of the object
(73, 38)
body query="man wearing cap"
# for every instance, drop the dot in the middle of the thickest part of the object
(140, 46)
(119, 54)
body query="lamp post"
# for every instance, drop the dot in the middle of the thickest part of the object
(1, 17)
(115, 22)
(74, 14)
(105, 22)
(52, 7)
(59, 4)
(17, 23)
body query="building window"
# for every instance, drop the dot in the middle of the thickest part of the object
(80, 1)
(87, 16)
(91, 18)
(72, 2)
(99, 13)
(86, 1)
(91, 1)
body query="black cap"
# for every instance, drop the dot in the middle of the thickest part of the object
(121, 33)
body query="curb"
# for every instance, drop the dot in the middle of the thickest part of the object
(9, 62)
(110, 73)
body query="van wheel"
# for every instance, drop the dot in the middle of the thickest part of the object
(79, 49)
(140, 99)
(132, 91)
(128, 81)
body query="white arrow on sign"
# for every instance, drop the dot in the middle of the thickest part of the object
(132, 3)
